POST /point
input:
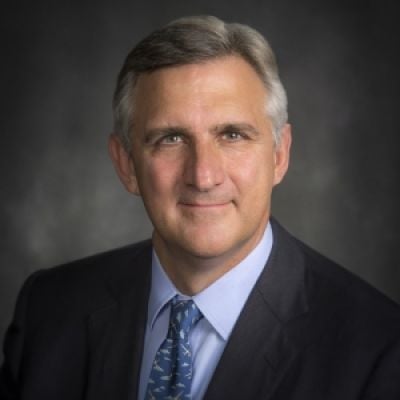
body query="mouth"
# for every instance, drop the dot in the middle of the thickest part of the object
(204, 206)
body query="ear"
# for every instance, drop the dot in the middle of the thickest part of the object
(282, 154)
(123, 164)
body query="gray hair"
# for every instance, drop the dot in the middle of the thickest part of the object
(193, 40)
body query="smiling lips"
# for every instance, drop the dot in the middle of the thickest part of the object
(199, 205)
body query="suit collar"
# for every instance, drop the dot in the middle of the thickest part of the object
(116, 331)
(261, 346)
(283, 282)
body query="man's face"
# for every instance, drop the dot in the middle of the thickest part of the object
(204, 159)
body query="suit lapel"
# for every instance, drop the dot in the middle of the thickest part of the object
(261, 348)
(116, 331)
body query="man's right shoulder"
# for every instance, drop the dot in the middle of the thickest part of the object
(90, 281)
(102, 262)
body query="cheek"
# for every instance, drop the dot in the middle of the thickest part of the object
(252, 172)
(159, 178)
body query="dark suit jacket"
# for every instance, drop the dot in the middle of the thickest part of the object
(309, 330)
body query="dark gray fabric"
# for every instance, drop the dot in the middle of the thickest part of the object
(309, 330)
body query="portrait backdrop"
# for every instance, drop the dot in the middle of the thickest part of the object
(61, 199)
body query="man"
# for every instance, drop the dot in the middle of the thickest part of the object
(223, 303)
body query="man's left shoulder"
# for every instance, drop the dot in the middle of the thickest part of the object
(337, 290)
(360, 306)
(344, 332)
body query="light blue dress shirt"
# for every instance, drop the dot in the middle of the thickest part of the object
(220, 304)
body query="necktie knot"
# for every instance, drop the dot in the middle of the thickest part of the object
(184, 315)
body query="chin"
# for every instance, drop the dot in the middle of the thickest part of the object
(207, 249)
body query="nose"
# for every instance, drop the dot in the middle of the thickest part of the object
(204, 167)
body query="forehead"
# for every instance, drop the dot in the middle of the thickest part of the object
(227, 85)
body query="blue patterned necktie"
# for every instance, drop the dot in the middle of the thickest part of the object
(171, 373)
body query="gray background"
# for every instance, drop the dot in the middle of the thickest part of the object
(61, 199)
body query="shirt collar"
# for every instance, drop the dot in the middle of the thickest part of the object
(222, 301)
(162, 290)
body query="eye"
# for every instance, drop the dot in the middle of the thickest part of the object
(171, 139)
(233, 136)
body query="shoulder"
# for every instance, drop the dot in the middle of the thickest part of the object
(87, 283)
(341, 335)
(105, 263)
(359, 296)
(354, 303)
